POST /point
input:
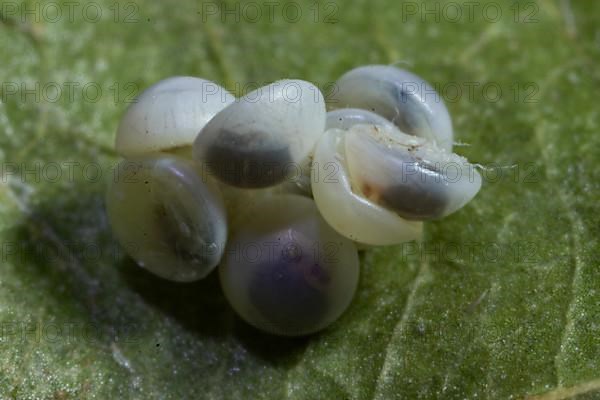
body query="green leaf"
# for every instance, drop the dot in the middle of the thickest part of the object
(500, 300)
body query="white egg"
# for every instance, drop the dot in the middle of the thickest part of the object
(169, 218)
(265, 137)
(168, 115)
(407, 174)
(347, 211)
(285, 270)
(404, 98)
(372, 180)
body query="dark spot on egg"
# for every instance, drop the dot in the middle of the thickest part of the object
(418, 195)
(242, 160)
(367, 190)
(410, 115)
(291, 294)
(184, 244)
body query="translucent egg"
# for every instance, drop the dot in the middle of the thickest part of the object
(169, 218)
(264, 137)
(168, 115)
(408, 175)
(371, 181)
(347, 211)
(287, 272)
(402, 97)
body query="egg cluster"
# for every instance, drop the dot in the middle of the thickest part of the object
(279, 188)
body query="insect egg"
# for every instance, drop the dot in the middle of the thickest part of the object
(263, 137)
(402, 97)
(379, 169)
(169, 114)
(287, 272)
(408, 175)
(346, 210)
(168, 218)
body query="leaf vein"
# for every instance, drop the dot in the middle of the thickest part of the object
(420, 278)
(575, 227)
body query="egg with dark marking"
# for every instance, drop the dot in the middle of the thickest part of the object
(285, 271)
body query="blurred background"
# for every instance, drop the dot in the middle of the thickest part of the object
(500, 300)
